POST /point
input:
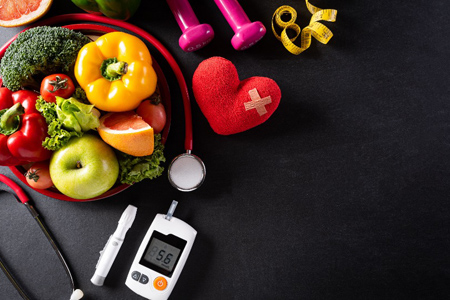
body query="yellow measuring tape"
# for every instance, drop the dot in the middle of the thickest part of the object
(315, 29)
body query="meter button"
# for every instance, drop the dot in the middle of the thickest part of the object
(160, 283)
(135, 275)
(143, 279)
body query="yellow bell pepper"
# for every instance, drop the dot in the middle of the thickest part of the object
(116, 72)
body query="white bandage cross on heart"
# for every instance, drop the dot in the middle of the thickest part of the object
(257, 102)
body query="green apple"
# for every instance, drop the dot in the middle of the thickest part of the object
(84, 168)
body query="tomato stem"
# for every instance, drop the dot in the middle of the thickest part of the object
(33, 175)
(155, 99)
(58, 84)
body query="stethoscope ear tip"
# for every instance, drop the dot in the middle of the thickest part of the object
(77, 295)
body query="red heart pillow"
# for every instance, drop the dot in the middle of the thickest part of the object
(231, 105)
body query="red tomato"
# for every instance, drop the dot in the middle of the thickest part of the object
(153, 114)
(38, 176)
(57, 85)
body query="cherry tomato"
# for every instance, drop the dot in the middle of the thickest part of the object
(152, 113)
(38, 176)
(57, 85)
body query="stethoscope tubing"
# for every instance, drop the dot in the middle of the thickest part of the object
(23, 198)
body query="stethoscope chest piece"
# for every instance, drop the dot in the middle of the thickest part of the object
(187, 172)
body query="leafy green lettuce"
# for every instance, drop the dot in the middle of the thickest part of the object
(75, 115)
(134, 169)
(66, 118)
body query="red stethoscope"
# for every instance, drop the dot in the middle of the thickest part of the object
(186, 171)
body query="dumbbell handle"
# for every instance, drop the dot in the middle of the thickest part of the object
(183, 13)
(195, 35)
(233, 13)
(246, 33)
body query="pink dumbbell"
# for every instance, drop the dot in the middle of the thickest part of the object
(246, 33)
(195, 35)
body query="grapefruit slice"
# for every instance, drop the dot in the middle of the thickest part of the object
(127, 132)
(20, 12)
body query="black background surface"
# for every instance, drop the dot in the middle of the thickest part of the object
(342, 194)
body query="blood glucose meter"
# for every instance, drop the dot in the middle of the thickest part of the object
(161, 256)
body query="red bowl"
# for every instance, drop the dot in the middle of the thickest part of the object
(97, 30)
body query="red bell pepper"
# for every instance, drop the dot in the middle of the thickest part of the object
(22, 129)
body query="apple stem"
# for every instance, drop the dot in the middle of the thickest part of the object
(79, 165)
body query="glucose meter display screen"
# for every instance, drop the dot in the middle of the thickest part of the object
(163, 253)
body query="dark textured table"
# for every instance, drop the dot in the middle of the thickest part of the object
(342, 194)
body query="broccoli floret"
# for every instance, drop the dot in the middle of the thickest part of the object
(80, 95)
(37, 52)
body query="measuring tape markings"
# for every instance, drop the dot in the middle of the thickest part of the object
(315, 29)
